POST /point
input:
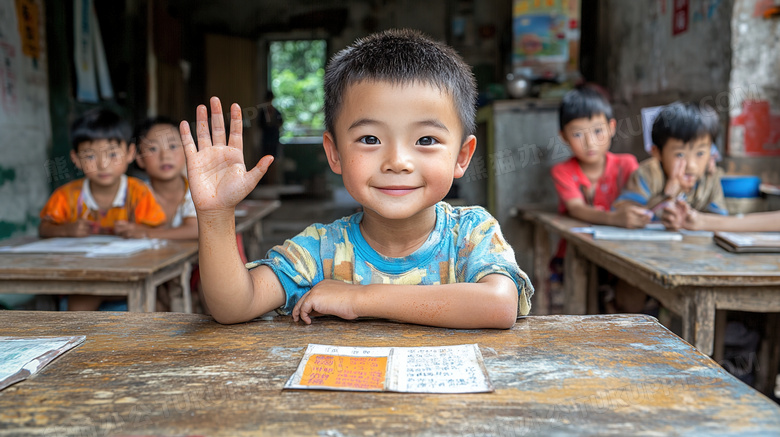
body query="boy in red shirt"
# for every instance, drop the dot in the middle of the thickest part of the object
(593, 178)
(589, 182)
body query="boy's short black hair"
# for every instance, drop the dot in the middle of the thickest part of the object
(685, 122)
(401, 56)
(145, 126)
(99, 124)
(583, 102)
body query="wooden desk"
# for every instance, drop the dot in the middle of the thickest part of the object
(249, 223)
(136, 276)
(173, 373)
(692, 278)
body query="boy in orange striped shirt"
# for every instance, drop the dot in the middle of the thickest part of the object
(105, 197)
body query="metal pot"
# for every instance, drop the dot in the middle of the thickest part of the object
(517, 86)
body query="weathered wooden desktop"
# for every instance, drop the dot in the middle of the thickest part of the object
(176, 374)
(693, 278)
(135, 276)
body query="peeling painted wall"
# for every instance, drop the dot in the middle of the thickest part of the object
(648, 65)
(25, 127)
(755, 116)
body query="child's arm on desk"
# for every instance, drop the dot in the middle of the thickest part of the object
(218, 181)
(627, 216)
(489, 303)
(79, 228)
(187, 231)
(682, 216)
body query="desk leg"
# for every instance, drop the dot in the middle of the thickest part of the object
(185, 287)
(135, 299)
(150, 296)
(720, 335)
(699, 320)
(253, 239)
(542, 298)
(593, 289)
(575, 281)
(769, 355)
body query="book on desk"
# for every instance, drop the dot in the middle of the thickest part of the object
(22, 357)
(748, 242)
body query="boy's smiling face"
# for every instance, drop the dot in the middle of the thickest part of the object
(103, 161)
(589, 138)
(399, 146)
(161, 153)
(695, 156)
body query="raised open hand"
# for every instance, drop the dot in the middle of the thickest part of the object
(217, 173)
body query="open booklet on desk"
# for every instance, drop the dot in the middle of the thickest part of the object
(438, 369)
(21, 357)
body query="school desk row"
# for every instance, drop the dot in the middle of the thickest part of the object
(694, 278)
(185, 374)
(135, 276)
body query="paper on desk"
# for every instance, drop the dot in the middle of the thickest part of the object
(437, 369)
(22, 357)
(648, 233)
(92, 246)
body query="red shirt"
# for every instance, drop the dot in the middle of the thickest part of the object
(571, 182)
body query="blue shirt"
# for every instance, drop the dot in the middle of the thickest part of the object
(465, 246)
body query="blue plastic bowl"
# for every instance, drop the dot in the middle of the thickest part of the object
(740, 186)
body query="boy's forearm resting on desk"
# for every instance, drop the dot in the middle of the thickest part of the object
(187, 231)
(79, 228)
(627, 216)
(489, 303)
(702, 221)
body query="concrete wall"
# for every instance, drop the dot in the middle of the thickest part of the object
(25, 127)
(648, 65)
(754, 107)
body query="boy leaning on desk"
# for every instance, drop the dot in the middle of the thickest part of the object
(400, 118)
(105, 199)
(679, 170)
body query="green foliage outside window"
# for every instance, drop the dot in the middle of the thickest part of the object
(297, 68)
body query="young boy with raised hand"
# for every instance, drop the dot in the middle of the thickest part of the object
(106, 198)
(683, 134)
(589, 182)
(400, 118)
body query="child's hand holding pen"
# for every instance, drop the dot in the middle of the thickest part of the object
(679, 215)
(632, 217)
(127, 229)
(79, 228)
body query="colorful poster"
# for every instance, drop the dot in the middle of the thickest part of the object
(541, 32)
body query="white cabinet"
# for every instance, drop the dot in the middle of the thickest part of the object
(517, 144)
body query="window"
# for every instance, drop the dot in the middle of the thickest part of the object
(296, 72)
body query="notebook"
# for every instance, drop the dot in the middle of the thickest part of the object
(748, 241)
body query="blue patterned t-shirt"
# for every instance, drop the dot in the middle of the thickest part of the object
(465, 245)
